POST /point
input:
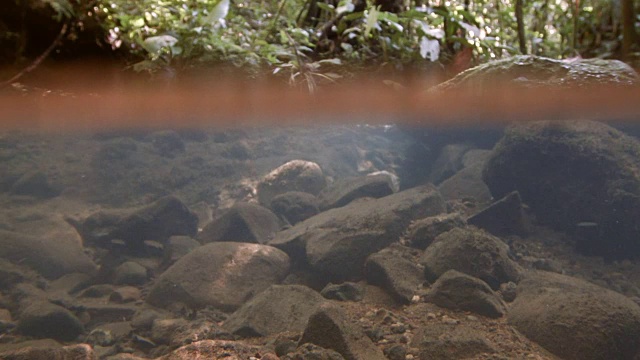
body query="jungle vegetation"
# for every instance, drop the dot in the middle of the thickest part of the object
(312, 41)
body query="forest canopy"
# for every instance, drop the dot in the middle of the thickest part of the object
(310, 41)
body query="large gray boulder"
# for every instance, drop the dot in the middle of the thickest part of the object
(533, 71)
(336, 243)
(222, 275)
(278, 309)
(575, 319)
(573, 172)
(473, 252)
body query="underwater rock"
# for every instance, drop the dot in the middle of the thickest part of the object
(278, 309)
(473, 252)
(42, 319)
(125, 294)
(449, 342)
(179, 332)
(168, 143)
(347, 291)
(329, 328)
(212, 349)
(50, 257)
(421, 233)
(295, 206)
(467, 183)
(101, 313)
(457, 291)
(346, 190)
(243, 222)
(222, 275)
(157, 221)
(296, 175)
(36, 184)
(130, 273)
(533, 71)
(572, 172)
(503, 217)
(397, 275)
(53, 351)
(109, 334)
(336, 243)
(312, 351)
(575, 319)
(176, 247)
(448, 162)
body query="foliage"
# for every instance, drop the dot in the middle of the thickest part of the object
(284, 37)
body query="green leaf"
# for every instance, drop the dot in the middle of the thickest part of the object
(218, 13)
(137, 23)
(372, 21)
(156, 43)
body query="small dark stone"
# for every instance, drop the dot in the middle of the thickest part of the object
(396, 352)
(347, 291)
(130, 273)
(508, 291)
(285, 346)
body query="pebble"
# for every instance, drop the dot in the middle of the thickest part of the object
(449, 321)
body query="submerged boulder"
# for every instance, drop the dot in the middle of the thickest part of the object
(473, 252)
(52, 256)
(457, 291)
(446, 342)
(243, 222)
(295, 206)
(157, 221)
(336, 243)
(278, 309)
(296, 175)
(329, 328)
(222, 275)
(399, 276)
(573, 172)
(42, 319)
(575, 319)
(346, 190)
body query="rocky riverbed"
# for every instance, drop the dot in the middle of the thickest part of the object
(305, 243)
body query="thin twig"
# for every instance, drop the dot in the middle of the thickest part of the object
(39, 60)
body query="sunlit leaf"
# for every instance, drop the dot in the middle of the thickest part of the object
(218, 13)
(429, 48)
(372, 21)
(137, 23)
(156, 43)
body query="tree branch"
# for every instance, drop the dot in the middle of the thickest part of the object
(39, 59)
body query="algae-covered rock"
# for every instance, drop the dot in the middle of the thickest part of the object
(533, 71)
(573, 172)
